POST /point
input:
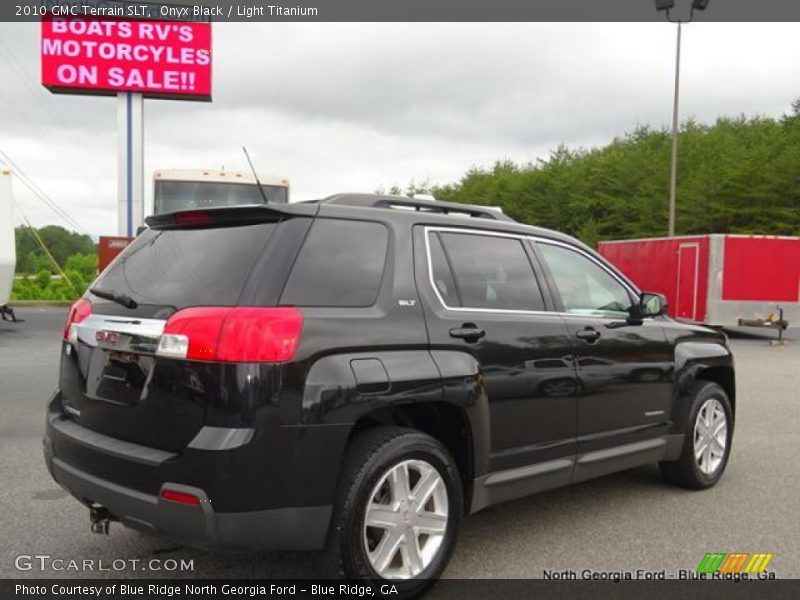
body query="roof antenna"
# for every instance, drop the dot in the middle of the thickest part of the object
(253, 169)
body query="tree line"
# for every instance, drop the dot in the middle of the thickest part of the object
(737, 175)
(37, 276)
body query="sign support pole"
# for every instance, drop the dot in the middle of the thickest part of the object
(130, 166)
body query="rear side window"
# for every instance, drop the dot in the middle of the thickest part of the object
(442, 273)
(341, 264)
(188, 267)
(488, 272)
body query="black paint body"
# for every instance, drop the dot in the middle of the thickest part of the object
(527, 407)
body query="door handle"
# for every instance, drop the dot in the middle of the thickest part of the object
(589, 334)
(468, 332)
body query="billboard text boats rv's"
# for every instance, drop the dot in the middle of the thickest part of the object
(717, 279)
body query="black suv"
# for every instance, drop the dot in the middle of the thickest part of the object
(357, 374)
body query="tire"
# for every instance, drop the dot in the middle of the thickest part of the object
(699, 473)
(374, 465)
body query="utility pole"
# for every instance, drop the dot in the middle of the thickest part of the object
(667, 5)
(673, 175)
(130, 167)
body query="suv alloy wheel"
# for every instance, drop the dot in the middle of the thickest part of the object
(398, 511)
(707, 444)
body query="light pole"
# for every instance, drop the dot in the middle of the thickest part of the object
(667, 5)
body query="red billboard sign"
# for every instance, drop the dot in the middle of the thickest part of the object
(161, 59)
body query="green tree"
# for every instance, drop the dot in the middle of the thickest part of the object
(84, 265)
(738, 175)
(76, 255)
(60, 242)
(588, 234)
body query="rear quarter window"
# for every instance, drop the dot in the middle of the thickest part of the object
(341, 264)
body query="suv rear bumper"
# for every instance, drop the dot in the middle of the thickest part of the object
(289, 528)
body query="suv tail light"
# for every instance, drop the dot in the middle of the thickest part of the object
(77, 312)
(232, 334)
(180, 497)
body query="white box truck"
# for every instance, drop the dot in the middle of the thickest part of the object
(8, 257)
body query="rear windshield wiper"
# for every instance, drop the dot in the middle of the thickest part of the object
(122, 299)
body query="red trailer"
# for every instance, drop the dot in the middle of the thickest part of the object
(108, 249)
(717, 279)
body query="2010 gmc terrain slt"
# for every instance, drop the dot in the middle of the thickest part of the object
(359, 373)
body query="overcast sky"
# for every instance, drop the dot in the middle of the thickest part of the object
(340, 107)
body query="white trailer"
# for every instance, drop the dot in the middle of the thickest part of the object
(187, 189)
(8, 257)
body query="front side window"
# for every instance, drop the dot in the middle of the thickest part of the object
(585, 287)
(483, 271)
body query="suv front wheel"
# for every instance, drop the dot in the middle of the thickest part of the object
(707, 443)
(398, 512)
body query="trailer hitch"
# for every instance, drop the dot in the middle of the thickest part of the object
(7, 314)
(100, 518)
(773, 321)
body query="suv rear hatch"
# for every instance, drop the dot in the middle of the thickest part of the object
(114, 379)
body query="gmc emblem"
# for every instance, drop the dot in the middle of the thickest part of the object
(107, 337)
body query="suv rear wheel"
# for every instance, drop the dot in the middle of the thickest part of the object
(707, 443)
(398, 510)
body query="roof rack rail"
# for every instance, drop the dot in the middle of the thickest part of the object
(419, 205)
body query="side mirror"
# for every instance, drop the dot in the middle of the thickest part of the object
(652, 304)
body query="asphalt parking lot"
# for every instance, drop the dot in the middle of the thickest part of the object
(626, 521)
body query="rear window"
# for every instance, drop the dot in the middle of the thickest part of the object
(341, 264)
(188, 267)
